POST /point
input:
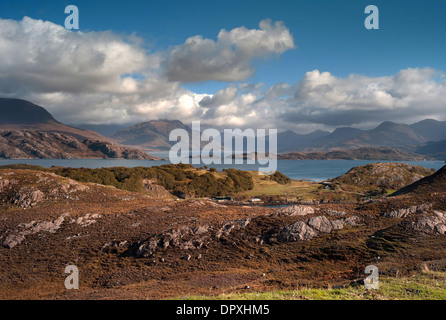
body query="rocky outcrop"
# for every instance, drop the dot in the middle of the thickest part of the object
(27, 197)
(188, 238)
(16, 237)
(182, 238)
(321, 224)
(334, 212)
(154, 190)
(402, 213)
(23, 144)
(3, 183)
(226, 229)
(310, 228)
(385, 175)
(430, 224)
(430, 184)
(299, 231)
(86, 220)
(295, 211)
(66, 187)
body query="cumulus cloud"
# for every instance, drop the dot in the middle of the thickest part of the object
(323, 98)
(44, 57)
(320, 100)
(230, 57)
(103, 77)
(222, 97)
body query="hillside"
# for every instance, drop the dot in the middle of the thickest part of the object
(383, 175)
(289, 140)
(430, 184)
(365, 153)
(435, 149)
(52, 145)
(18, 114)
(28, 131)
(130, 245)
(151, 135)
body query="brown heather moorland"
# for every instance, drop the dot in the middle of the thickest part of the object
(134, 245)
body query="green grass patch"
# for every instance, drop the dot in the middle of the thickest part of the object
(425, 286)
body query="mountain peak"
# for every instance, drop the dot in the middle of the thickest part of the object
(22, 112)
(386, 125)
(153, 134)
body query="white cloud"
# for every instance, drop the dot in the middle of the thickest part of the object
(230, 57)
(44, 57)
(102, 77)
(412, 94)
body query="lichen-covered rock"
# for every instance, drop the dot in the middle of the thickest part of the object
(187, 238)
(16, 237)
(12, 240)
(402, 213)
(226, 229)
(321, 224)
(352, 221)
(86, 220)
(337, 224)
(430, 224)
(298, 231)
(334, 212)
(27, 197)
(295, 211)
(3, 183)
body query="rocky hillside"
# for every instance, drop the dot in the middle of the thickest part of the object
(133, 246)
(435, 149)
(385, 175)
(25, 144)
(430, 184)
(28, 131)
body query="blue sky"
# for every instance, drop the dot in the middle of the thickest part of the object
(329, 35)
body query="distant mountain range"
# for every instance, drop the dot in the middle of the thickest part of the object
(387, 134)
(150, 135)
(28, 131)
(364, 153)
(388, 141)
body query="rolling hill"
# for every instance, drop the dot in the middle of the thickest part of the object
(433, 183)
(28, 131)
(383, 175)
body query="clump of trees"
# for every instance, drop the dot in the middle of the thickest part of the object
(181, 179)
(280, 178)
